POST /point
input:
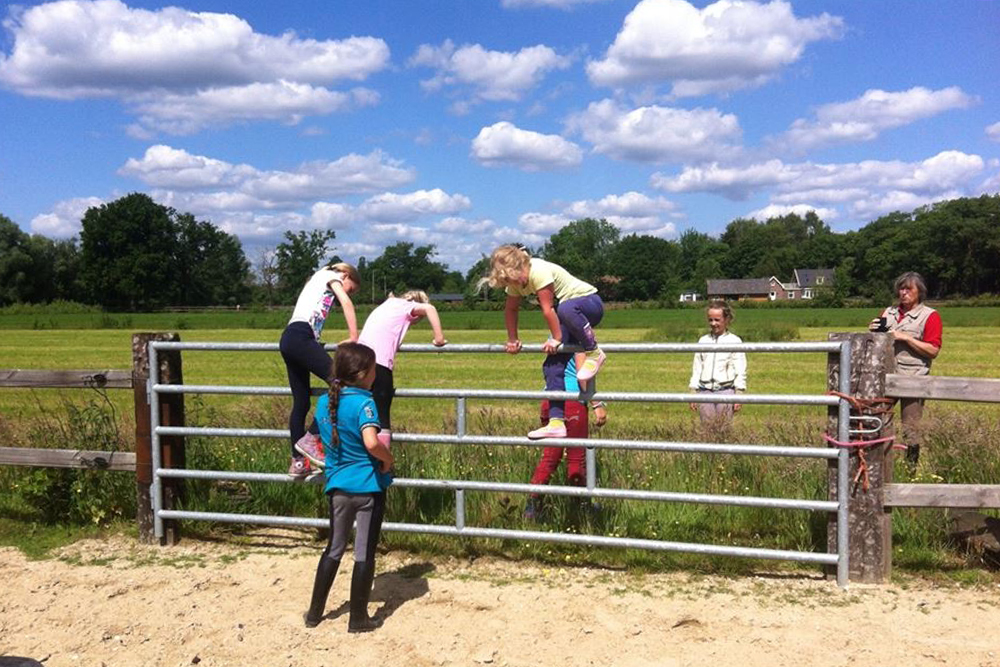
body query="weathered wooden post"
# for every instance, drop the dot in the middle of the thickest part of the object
(870, 522)
(171, 447)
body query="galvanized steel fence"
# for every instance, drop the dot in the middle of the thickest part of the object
(591, 490)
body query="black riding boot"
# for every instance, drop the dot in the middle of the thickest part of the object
(325, 573)
(913, 455)
(361, 590)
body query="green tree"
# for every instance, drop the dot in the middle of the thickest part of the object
(16, 263)
(127, 250)
(211, 266)
(404, 266)
(297, 258)
(583, 247)
(702, 259)
(648, 268)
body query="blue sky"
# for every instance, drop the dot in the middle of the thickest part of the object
(470, 123)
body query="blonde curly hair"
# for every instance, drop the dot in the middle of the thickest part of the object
(507, 264)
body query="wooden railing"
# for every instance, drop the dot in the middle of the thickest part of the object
(138, 461)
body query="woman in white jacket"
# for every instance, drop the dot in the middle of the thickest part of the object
(718, 372)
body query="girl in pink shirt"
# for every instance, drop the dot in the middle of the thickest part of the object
(383, 332)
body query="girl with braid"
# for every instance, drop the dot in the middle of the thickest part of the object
(357, 474)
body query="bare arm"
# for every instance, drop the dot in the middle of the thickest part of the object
(510, 313)
(349, 315)
(431, 313)
(917, 345)
(369, 436)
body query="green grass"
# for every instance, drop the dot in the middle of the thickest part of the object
(70, 419)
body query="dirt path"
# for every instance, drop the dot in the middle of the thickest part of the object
(115, 602)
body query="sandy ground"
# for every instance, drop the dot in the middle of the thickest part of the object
(114, 602)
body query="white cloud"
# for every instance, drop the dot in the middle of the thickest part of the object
(63, 221)
(778, 210)
(543, 224)
(167, 63)
(657, 134)
(864, 118)
(391, 207)
(282, 101)
(492, 75)
(933, 178)
(504, 144)
(632, 212)
(728, 45)
(736, 182)
(171, 168)
(457, 225)
(993, 131)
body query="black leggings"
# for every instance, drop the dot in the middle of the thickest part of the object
(303, 354)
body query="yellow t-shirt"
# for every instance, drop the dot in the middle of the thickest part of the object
(542, 273)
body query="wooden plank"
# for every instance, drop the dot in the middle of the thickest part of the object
(67, 458)
(943, 388)
(966, 496)
(102, 379)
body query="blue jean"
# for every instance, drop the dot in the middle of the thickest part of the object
(577, 319)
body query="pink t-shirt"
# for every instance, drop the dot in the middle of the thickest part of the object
(385, 328)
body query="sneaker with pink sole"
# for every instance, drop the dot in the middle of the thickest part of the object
(591, 366)
(548, 431)
(311, 447)
(299, 468)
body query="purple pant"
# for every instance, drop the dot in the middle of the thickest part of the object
(717, 415)
(577, 317)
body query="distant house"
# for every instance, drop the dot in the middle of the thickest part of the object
(690, 297)
(811, 280)
(804, 286)
(446, 297)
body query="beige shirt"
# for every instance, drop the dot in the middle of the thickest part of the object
(909, 362)
(542, 274)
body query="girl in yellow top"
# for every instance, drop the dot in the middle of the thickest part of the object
(571, 309)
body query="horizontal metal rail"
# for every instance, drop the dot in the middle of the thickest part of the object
(495, 348)
(520, 441)
(512, 394)
(502, 534)
(512, 487)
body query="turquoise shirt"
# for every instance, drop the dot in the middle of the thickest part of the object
(349, 467)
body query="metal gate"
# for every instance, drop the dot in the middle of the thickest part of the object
(461, 437)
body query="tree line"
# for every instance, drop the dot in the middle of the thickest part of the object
(134, 254)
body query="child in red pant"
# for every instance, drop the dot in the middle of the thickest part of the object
(577, 426)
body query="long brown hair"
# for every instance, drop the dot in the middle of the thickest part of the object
(351, 363)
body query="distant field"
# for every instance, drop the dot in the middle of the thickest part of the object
(615, 318)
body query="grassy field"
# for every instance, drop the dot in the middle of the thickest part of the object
(91, 420)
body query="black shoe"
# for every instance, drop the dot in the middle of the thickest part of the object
(326, 571)
(361, 590)
(912, 454)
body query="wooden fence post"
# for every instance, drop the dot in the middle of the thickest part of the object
(870, 522)
(171, 447)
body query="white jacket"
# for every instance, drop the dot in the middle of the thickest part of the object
(719, 370)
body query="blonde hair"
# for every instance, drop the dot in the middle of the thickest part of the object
(415, 295)
(507, 264)
(348, 270)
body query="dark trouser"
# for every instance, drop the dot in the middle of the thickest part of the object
(368, 509)
(383, 390)
(303, 354)
(576, 461)
(577, 317)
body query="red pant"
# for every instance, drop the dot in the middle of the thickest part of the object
(576, 465)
